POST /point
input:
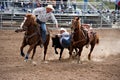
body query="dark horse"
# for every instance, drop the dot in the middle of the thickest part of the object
(79, 39)
(32, 36)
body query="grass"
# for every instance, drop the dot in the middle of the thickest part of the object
(111, 5)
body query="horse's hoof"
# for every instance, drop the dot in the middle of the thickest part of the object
(16, 31)
(45, 62)
(56, 52)
(59, 59)
(79, 62)
(89, 58)
(34, 63)
(26, 58)
(22, 54)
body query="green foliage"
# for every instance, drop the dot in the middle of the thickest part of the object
(111, 5)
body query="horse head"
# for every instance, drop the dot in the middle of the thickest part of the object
(28, 21)
(76, 23)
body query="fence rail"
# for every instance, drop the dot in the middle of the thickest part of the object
(93, 13)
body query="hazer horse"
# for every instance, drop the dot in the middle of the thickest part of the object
(32, 36)
(79, 39)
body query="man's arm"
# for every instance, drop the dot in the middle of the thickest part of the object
(54, 20)
(37, 11)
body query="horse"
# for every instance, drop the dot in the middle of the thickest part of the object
(79, 39)
(32, 36)
(56, 44)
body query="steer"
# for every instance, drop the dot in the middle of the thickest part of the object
(56, 44)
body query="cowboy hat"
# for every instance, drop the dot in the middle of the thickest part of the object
(63, 29)
(51, 7)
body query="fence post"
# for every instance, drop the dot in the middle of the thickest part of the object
(1, 19)
(100, 20)
(101, 14)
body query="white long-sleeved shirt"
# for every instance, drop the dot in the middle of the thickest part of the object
(43, 15)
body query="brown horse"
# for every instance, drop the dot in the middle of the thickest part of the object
(32, 36)
(79, 39)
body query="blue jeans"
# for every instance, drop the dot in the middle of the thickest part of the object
(43, 28)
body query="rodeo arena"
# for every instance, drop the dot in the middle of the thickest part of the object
(59, 40)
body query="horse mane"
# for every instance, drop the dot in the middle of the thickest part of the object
(76, 24)
(32, 19)
(79, 23)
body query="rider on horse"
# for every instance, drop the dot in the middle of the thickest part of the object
(44, 14)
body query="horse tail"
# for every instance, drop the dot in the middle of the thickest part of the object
(97, 39)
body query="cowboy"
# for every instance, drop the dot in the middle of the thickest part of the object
(64, 38)
(44, 14)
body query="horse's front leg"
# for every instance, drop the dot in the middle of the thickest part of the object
(34, 50)
(45, 51)
(79, 55)
(62, 49)
(70, 52)
(21, 48)
(91, 49)
(28, 52)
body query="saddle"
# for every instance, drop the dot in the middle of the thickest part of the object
(85, 33)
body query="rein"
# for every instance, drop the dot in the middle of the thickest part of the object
(29, 36)
(76, 42)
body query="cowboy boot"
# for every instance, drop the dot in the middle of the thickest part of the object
(41, 45)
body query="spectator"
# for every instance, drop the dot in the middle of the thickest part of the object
(38, 3)
(58, 4)
(26, 3)
(44, 3)
(117, 5)
(64, 6)
(4, 5)
(53, 2)
(85, 7)
(74, 5)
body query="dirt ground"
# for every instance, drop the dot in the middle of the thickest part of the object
(105, 63)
